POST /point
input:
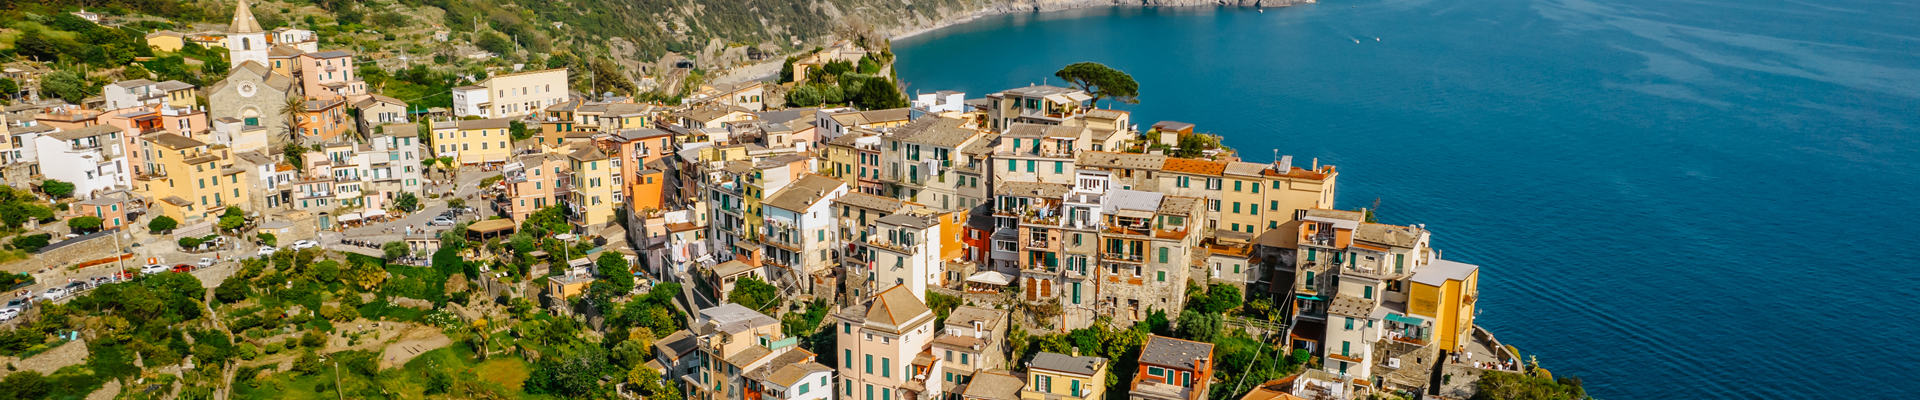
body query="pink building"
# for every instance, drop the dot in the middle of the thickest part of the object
(885, 349)
(330, 74)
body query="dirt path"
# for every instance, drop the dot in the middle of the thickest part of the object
(412, 343)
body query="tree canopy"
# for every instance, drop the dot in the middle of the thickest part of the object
(1101, 81)
(755, 294)
(56, 189)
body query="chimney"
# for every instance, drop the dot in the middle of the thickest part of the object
(1076, 351)
(1316, 163)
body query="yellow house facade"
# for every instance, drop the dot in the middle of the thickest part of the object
(1054, 376)
(595, 192)
(473, 141)
(1446, 292)
(167, 40)
(189, 179)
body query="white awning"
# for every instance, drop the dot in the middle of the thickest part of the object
(376, 213)
(1079, 97)
(348, 217)
(991, 278)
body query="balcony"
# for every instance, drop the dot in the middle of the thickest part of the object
(1123, 257)
(1043, 244)
(1126, 230)
(783, 241)
(1322, 238)
(1376, 272)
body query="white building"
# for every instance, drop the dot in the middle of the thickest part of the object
(941, 102)
(799, 233)
(905, 250)
(245, 40)
(91, 158)
(517, 94)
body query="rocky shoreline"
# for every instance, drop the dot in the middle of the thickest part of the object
(1037, 6)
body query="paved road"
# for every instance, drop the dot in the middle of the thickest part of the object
(467, 185)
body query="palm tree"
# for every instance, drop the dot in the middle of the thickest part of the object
(290, 111)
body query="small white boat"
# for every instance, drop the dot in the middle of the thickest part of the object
(1376, 39)
(1356, 41)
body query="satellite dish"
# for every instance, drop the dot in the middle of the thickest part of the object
(564, 236)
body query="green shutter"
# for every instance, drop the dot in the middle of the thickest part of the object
(1012, 165)
(1162, 275)
(1076, 293)
(1163, 255)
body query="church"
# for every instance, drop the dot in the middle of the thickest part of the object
(252, 93)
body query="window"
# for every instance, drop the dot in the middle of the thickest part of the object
(1012, 165)
(849, 390)
(1059, 166)
(803, 388)
(870, 363)
(1030, 164)
(886, 366)
(1163, 256)
(1162, 275)
(963, 358)
(1236, 210)
(1236, 186)
(1349, 327)
(1367, 292)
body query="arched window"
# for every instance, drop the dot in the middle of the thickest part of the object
(246, 43)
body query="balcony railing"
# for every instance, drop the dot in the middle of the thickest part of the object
(1133, 258)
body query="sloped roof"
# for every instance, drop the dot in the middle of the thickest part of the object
(895, 307)
(803, 193)
(1032, 189)
(869, 201)
(994, 385)
(96, 130)
(1192, 166)
(1440, 271)
(1098, 159)
(1391, 235)
(935, 131)
(1177, 353)
(243, 21)
(1082, 365)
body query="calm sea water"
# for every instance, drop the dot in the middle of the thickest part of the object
(1671, 199)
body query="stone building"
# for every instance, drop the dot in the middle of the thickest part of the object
(253, 94)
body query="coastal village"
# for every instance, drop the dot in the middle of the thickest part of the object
(290, 231)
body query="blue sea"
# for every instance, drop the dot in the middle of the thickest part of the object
(1677, 199)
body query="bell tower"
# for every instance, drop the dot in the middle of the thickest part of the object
(245, 40)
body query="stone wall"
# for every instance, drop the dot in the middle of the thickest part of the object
(62, 254)
(73, 352)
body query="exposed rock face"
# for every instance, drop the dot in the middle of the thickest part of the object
(915, 21)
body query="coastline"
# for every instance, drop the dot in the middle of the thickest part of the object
(1042, 6)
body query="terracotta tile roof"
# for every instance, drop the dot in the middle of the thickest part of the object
(1192, 166)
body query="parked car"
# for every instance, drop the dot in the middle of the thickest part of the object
(151, 269)
(55, 293)
(20, 302)
(183, 268)
(205, 262)
(79, 286)
(103, 280)
(267, 250)
(9, 313)
(305, 244)
(442, 221)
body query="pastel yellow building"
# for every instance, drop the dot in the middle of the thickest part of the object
(1054, 376)
(595, 193)
(1446, 291)
(167, 40)
(189, 179)
(474, 141)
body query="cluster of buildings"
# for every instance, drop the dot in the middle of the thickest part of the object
(155, 147)
(1031, 193)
